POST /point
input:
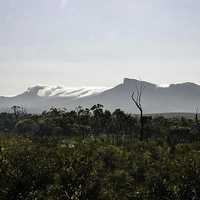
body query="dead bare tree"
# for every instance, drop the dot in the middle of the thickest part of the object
(197, 116)
(136, 98)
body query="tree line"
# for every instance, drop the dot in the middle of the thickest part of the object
(97, 121)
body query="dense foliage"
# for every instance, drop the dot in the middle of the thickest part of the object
(96, 121)
(93, 154)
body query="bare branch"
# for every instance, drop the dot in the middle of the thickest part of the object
(136, 98)
(197, 110)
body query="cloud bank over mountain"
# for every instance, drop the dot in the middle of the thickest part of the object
(183, 97)
(67, 92)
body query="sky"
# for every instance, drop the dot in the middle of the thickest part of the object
(97, 42)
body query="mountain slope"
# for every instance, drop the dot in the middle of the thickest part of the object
(183, 97)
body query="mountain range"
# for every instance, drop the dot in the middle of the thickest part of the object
(182, 97)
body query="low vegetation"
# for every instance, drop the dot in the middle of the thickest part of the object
(93, 154)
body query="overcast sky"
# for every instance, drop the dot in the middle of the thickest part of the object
(97, 42)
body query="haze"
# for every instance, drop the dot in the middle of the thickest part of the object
(97, 42)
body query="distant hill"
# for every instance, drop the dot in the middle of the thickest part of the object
(175, 98)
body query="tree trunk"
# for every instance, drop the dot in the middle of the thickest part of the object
(141, 125)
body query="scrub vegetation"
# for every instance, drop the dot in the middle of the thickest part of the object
(95, 154)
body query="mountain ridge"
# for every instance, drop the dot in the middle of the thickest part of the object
(180, 97)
